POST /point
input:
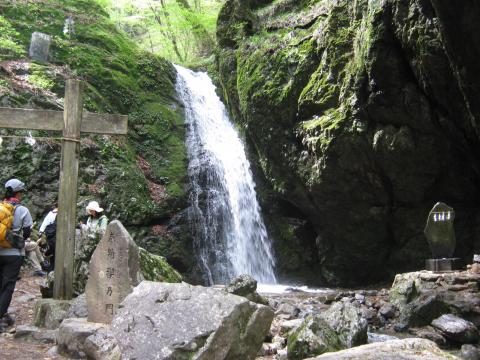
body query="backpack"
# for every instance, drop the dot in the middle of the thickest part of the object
(51, 230)
(6, 221)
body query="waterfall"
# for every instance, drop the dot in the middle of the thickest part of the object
(230, 237)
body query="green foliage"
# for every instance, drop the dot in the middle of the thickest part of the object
(10, 46)
(168, 28)
(41, 77)
(4, 83)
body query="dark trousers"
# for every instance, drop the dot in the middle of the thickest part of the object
(51, 252)
(9, 270)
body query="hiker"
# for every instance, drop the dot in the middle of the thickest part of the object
(33, 253)
(97, 221)
(49, 219)
(15, 227)
(49, 229)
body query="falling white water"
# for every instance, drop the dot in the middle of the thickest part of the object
(229, 234)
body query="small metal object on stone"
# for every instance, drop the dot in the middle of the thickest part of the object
(440, 235)
(40, 46)
(476, 258)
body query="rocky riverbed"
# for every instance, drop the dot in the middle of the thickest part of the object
(442, 308)
(423, 315)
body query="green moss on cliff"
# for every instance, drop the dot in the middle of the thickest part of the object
(156, 268)
(293, 81)
(10, 47)
(120, 77)
(139, 178)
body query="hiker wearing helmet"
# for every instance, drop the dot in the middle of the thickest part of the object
(97, 221)
(15, 226)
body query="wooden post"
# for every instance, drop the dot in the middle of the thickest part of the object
(73, 121)
(67, 196)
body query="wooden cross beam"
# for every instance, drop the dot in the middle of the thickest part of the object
(73, 121)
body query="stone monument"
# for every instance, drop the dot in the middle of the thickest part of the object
(114, 271)
(441, 238)
(40, 46)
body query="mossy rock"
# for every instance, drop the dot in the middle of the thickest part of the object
(340, 327)
(156, 268)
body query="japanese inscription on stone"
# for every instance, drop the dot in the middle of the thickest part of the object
(440, 232)
(114, 270)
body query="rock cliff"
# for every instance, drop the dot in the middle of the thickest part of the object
(361, 115)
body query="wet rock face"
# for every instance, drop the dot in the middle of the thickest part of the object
(362, 115)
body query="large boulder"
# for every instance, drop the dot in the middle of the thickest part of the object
(407, 349)
(167, 321)
(423, 296)
(341, 326)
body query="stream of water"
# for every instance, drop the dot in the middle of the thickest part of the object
(230, 237)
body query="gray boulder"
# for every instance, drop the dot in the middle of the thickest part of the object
(72, 335)
(246, 286)
(469, 352)
(78, 309)
(242, 285)
(33, 333)
(407, 349)
(387, 311)
(180, 321)
(423, 296)
(49, 313)
(341, 326)
(102, 345)
(429, 333)
(347, 322)
(456, 329)
(424, 309)
(289, 325)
